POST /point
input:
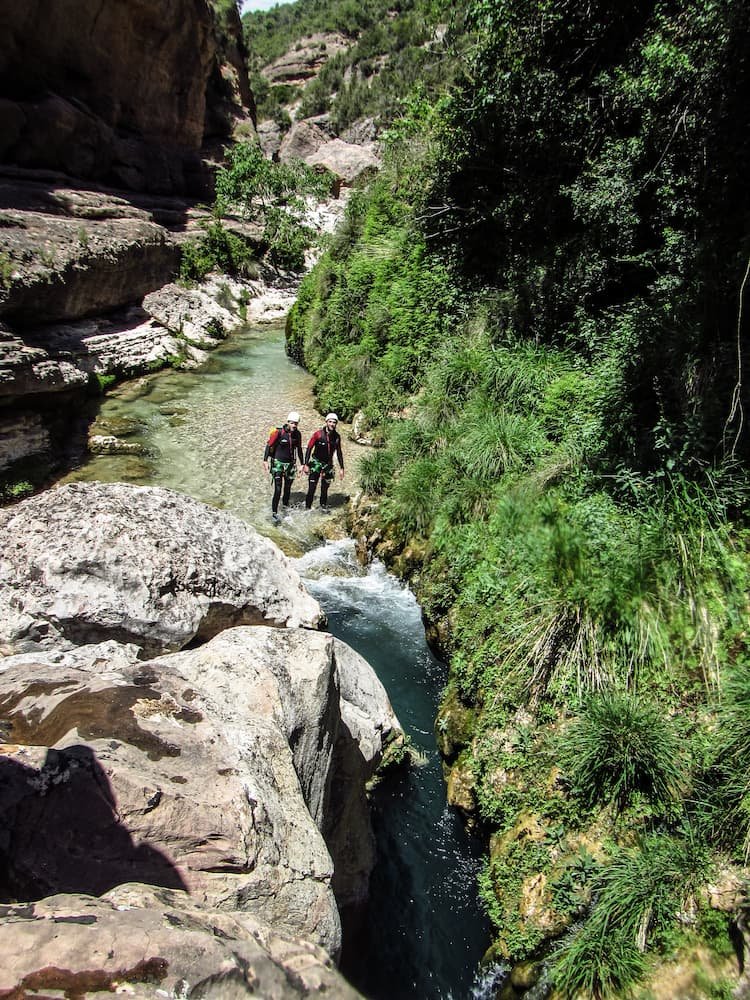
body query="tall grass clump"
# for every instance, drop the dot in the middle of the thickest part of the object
(637, 900)
(622, 745)
(725, 787)
(376, 472)
(411, 504)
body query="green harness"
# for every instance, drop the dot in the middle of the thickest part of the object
(316, 467)
(287, 469)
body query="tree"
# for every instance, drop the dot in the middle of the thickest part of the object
(271, 194)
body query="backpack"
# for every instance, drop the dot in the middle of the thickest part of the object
(273, 437)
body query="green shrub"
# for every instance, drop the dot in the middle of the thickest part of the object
(622, 745)
(410, 502)
(104, 381)
(13, 490)
(218, 250)
(376, 472)
(725, 788)
(637, 899)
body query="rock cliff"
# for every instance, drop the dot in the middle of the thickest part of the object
(125, 93)
(221, 786)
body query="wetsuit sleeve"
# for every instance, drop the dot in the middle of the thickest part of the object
(299, 448)
(339, 453)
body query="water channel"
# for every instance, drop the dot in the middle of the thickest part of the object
(203, 433)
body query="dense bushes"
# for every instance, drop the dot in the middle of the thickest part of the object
(370, 317)
(270, 195)
(539, 310)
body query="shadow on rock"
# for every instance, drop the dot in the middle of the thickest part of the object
(60, 831)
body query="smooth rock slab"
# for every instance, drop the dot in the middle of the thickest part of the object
(219, 770)
(149, 943)
(91, 561)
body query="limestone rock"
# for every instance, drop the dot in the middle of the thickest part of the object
(269, 137)
(361, 432)
(193, 314)
(308, 141)
(302, 141)
(345, 160)
(153, 943)
(87, 562)
(67, 267)
(361, 132)
(218, 770)
(305, 60)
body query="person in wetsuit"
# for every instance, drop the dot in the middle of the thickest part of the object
(284, 445)
(321, 448)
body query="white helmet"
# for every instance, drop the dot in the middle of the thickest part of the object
(293, 417)
(331, 416)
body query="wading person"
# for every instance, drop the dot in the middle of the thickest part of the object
(321, 448)
(284, 446)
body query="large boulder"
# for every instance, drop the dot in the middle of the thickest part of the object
(217, 770)
(308, 141)
(88, 562)
(345, 160)
(156, 943)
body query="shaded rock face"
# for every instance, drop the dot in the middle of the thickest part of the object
(89, 562)
(229, 771)
(114, 91)
(156, 943)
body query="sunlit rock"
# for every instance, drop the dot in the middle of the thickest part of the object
(152, 943)
(88, 562)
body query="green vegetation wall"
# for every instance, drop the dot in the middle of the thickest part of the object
(597, 177)
(541, 307)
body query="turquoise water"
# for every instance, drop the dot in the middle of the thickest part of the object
(203, 433)
(425, 934)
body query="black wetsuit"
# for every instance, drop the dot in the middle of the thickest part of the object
(283, 445)
(321, 448)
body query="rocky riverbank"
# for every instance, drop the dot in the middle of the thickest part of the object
(185, 754)
(90, 297)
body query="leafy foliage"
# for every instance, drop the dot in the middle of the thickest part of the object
(218, 250)
(615, 230)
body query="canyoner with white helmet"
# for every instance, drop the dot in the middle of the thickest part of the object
(283, 448)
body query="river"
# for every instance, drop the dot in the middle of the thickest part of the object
(202, 433)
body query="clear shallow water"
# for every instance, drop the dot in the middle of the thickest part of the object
(203, 434)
